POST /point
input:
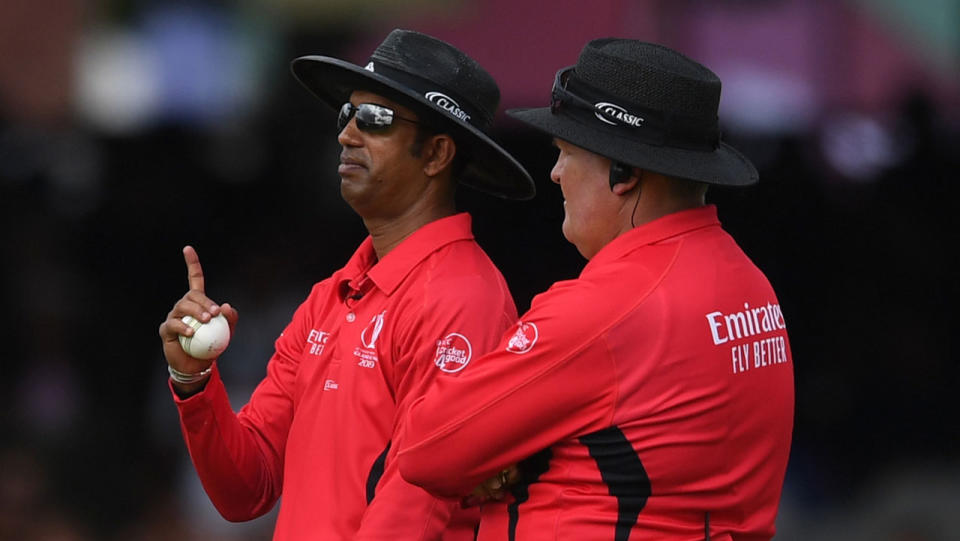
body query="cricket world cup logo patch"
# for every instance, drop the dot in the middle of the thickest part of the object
(453, 353)
(523, 340)
(367, 354)
(370, 334)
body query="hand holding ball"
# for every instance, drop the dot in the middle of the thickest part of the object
(209, 339)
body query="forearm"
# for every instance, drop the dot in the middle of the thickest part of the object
(469, 429)
(240, 471)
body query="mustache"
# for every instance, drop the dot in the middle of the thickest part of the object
(349, 158)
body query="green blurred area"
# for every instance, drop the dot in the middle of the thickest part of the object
(931, 25)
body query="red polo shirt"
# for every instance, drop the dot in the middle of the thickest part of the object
(653, 392)
(318, 430)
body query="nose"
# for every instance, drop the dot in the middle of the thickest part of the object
(555, 172)
(350, 135)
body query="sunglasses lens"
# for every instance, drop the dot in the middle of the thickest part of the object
(372, 117)
(559, 89)
(346, 112)
(556, 100)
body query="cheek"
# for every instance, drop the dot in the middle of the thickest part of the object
(585, 212)
(383, 163)
(578, 199)
(574, 215)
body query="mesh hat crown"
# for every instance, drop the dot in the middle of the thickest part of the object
(622, 68)
(449, 90)
(645, 105)
(449, 68)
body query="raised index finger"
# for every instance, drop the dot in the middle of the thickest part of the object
(194, 270)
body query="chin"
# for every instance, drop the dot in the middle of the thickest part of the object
(567, 231)
(575, 241)
(349, 191)
(580, 246)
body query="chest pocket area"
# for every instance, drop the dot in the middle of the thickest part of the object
(319, 362)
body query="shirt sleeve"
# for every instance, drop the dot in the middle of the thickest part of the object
(454, 321)
(550, 378)
(239, 457)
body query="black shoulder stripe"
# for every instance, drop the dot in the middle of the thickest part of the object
(624, 474)
(530, 470)
(376, 472)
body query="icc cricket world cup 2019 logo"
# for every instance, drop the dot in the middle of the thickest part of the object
(367, 355)
(370, 334)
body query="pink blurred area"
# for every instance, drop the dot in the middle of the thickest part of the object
(37, 39)
(841, 55)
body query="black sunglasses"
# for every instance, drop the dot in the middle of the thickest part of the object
(370, 117)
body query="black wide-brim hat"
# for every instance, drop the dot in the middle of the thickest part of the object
(449, 90)
(645, 105)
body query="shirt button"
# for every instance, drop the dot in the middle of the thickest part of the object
(351, 317)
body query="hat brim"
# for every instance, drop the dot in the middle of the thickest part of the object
(724, 166)
(489, 167)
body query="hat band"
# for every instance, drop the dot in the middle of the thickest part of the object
(574, 98)
(450, 102)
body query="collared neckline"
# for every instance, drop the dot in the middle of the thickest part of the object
(389, 272)
(671, 225)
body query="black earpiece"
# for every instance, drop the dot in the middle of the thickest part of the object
(619, 172)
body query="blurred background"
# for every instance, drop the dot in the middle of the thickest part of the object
(129, 128)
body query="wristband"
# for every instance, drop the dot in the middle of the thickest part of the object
(184, 378)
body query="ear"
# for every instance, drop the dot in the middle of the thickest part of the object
(624, 187)
(438, 153)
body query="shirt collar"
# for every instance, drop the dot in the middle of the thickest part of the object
(390, 271)
(662, 228)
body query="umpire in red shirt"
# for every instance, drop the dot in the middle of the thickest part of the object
(417, 302)
(652, 397)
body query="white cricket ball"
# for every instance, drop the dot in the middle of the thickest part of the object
(208, 340)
